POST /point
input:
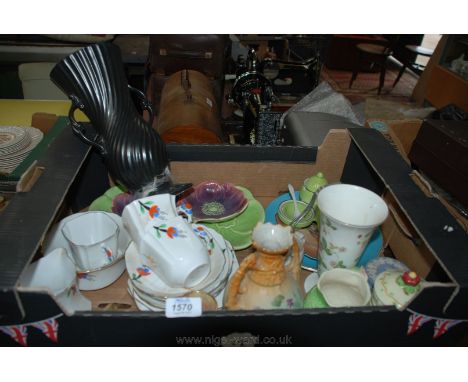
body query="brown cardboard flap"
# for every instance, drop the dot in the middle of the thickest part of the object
(404, 241)
(266, 180)
(403, 134)
(29, 178)
(44, 121)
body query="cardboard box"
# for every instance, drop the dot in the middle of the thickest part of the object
(438, 150)
(402, 135)
(358, 156)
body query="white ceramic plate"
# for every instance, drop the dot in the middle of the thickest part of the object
(143, 304)
(10, 136)
(9, 162)
(143, 278)
(36, 136)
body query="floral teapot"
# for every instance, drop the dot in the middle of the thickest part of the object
(268, 278)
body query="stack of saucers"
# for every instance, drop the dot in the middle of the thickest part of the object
(146, 285)
(16, 143)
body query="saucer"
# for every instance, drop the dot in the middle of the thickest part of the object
(55, 238)
(222, 259)
(381, 264)
(157, 304)
(371, 251)
(238, 231)
(143, 305)
(102, 277)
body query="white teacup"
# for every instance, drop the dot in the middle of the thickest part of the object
(93, 239)
(56, 273)
(175, 252)
(140, 212)
(344, 288)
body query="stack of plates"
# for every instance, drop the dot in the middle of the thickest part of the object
(16, 143)
(150, 292)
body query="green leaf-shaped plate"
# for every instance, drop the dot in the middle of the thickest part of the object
(104, 202)
(238, 230)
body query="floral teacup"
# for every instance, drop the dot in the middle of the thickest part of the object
(175, 251)
(140, 212)
(93, 239)
(56, 273)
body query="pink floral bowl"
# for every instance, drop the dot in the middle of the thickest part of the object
(215, 202)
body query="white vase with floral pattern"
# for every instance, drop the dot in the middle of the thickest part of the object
(348, 216)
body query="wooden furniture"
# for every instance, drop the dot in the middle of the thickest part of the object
(445, 87)
(414, 50)
(439, 85)
(342, 53)
(378, 55)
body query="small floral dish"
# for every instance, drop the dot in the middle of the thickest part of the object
(215, 202)
(238, 230)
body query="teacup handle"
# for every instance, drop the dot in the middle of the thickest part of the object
(236, 280)
(188, 216)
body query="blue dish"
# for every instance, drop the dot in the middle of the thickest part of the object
(370, 252)
(382, 264)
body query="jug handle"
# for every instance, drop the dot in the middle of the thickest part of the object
(233, 289)
(144, 102)
(78, 129)
(294, 267)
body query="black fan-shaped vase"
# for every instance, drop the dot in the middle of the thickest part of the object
(134, 153)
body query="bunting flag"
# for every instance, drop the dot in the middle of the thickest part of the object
(48, 327)
(416, 321)
(18, 332)
(442, 326)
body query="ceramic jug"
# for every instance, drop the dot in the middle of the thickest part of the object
(269, 277)
(309, 188)
(94, 79)
(311, 185)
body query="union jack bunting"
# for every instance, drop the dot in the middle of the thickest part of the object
(18, 332)
(416, 321)
(442, 326)
(49, 328)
